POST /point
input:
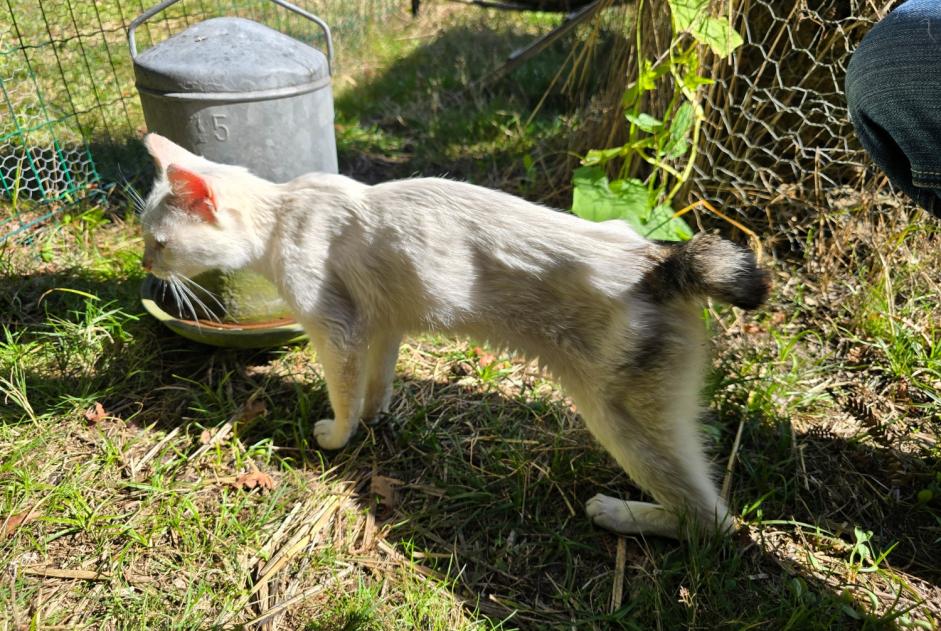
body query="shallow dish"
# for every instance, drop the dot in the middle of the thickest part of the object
(230, 335)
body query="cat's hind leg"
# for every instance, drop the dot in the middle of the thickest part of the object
(380, 370)
(655, 438)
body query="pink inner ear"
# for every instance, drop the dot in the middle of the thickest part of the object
(191, 192)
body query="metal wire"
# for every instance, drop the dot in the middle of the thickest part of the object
(68, 105)
(777, 132)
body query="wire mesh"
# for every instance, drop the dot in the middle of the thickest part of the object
(69, 106)
(777, 130)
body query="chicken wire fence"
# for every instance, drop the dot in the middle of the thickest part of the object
(69, 106)
(777, 128)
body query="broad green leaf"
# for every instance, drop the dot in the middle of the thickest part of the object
(646, 122)
(662, 225)
(693, 16)
(601, 156)
(597, 199)
(591, 195)
(719, 36)
(687, 13)
(634, 192)
(594, 200)
(679, 129)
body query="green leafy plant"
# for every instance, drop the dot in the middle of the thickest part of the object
(668, 144)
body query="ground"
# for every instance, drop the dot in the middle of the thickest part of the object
(148, 482)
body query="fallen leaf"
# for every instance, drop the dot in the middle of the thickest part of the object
(11, 523)
(778, 317)
(257, 371)
(461, 369)
(751, 328)
(205, 437)
(253, 409)
(253, 480)
(96, 414)
(384, 490)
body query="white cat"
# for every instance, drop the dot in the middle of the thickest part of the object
(614, 317)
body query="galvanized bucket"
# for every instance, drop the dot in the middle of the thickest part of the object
(238, 92)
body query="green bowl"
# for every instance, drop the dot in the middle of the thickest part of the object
(277, 332)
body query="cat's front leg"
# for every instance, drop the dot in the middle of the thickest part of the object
(343, 368)
(380, 370)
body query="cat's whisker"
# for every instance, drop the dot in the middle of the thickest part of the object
(173, 294)
(192, 296)
(189, 302)
(136, 198)
(184, 299)
(180, 305)
(193, 284)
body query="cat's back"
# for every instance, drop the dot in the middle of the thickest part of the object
(458, 210)
(324, 182)
(458, 205)
(458, 224)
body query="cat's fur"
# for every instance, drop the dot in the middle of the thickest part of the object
(615, 318)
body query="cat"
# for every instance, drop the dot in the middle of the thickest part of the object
(615, 318)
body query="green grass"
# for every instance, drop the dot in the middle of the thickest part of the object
(486, 529)
(463, 507)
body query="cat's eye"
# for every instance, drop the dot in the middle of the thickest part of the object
(160, 244)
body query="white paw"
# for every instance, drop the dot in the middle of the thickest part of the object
(631, 518)
(325, 431)
(608, 512)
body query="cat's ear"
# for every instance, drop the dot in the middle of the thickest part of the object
(191, 192)
(165, 152)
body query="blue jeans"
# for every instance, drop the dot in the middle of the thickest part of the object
(893, 88)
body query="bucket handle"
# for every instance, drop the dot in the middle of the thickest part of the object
(157, 8)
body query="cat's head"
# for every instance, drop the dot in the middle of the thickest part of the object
(195, 218)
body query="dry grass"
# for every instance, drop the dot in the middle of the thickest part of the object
(463, 507)
(196, 497)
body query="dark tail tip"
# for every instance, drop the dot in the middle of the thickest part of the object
(709, 265)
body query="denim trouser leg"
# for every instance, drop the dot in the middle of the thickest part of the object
(893, 88)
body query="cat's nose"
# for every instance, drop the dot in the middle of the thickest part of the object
(147, 263)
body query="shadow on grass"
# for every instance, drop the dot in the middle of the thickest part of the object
(442, 109)
(492, 483)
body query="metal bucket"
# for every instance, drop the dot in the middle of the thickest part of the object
(238, 92)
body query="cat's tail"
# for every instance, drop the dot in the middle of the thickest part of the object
(708, 265)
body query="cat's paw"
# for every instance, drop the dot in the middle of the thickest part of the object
(608, 512)
(631, 518)
(329, 435)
